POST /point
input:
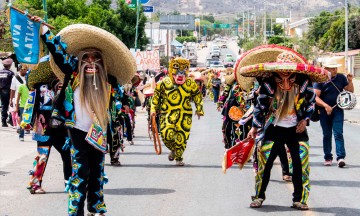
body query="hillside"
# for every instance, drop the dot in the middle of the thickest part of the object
(299, 8)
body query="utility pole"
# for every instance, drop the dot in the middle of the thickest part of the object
(346, 36)
(151, 35)
(137, 22)
(248, 22)
(254, 23)
(45, 10)
(243, 25)
(265, 38)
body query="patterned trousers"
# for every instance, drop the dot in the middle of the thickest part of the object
(57, 139)
(88, 177)
(275, 138)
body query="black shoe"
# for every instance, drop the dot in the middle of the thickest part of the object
(4, 125)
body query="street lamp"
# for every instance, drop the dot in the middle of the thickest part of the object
(346, 34)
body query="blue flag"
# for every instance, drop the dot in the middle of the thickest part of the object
(26, 37)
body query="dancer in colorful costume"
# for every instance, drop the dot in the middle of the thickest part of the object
(172, 99)
(118, 103)
(44, 88)
(83, 55)
(237, 104)
(284, 106)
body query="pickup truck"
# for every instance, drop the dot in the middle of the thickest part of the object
(193, 59)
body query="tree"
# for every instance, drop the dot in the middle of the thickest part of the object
(120, 21)
(276, 40)
(319, 25)
(278, 29)
(209, 18)
(354, 32)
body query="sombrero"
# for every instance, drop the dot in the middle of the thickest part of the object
(149, 88)
(332, 63)
(261, 54)
(265, 60)
(196, 75)
(118, 59)
(229, 79)
(42, 74)
(135, 81)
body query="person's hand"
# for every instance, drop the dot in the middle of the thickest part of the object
(153, 114)
(350, 77)
(301, 126)
(328, 109)
(36, 19)
(252, 133)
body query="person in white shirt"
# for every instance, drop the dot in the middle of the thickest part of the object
(16, 81)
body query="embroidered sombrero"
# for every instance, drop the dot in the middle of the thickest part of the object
(42, 74)
(118, 59)
(265, 60)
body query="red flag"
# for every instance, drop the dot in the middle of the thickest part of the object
(239, 153)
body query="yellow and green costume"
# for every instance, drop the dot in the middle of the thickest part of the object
(172, 102)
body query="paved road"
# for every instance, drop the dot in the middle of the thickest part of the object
(148, 184)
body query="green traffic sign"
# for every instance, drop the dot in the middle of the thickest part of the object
(131, 3)
(223, 26)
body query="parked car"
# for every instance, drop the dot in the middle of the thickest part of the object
(215, 54)
(203, 44)
(216, 64)
(223, 46)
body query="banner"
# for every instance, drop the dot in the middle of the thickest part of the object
(239, 154)
(26, 37)
(147, 60)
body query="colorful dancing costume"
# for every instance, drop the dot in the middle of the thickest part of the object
(84, 55)
(284, 106)
(37, 112)
(234, 95)
(173, 102)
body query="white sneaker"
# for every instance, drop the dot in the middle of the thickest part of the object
(21, 139)
(341, 163)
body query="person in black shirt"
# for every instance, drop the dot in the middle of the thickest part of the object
(331, 116)
(216, 82)
(6, 76)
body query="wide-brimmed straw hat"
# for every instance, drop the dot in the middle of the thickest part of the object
(149, 87)
(135, 81)
(281, 59)
(229, 79)
(42, 74)
(261, 54)
(196, 75)
(331, 63)
(118, 59)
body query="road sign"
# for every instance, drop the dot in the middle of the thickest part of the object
(221, 26)
(184, 22)
(148, 9)
(133, 3)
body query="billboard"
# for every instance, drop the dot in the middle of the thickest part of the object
(147, 60)
(177, 22)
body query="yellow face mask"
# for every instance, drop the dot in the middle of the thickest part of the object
(178, 70)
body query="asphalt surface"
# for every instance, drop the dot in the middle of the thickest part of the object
(148, 184)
